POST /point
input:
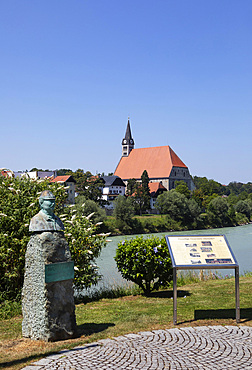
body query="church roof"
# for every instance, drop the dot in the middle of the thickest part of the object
(157, 161)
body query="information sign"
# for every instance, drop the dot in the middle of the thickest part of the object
(196, 251)
(201, 252)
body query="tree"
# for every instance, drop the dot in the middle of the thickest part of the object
(174, 204)
(88, 185)
(131, 187)
(64, 171)
(208, 187)
(86, 206)
(243, 207)
(124, 210)
(145, 190)
(182, 188)
(218, 212)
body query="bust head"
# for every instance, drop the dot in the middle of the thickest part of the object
(47, 201)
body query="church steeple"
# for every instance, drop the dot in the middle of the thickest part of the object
(127, 142)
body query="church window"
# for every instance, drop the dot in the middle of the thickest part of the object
(175, 173)
(124, 148)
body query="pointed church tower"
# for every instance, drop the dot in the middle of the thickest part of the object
(127, 142)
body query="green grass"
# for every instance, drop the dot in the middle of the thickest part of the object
(208, 302)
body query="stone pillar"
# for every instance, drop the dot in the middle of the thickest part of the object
(47, 294)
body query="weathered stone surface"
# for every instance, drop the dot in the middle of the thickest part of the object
(48, 309)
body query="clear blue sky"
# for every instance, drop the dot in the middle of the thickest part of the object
(73, 70)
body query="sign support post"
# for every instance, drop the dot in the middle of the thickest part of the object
(237, 295)
(174, 296)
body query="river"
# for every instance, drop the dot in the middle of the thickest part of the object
(239, 238)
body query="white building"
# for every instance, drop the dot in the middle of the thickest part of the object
(113, 187)
(36, 175)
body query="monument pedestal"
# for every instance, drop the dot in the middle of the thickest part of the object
(47, 294)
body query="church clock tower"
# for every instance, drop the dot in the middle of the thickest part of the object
(127, 142)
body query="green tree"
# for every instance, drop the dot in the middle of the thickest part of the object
(218, 212)
(64, 171)
(243, 207)
(175, 205)
(131, 186)
(181, 187)
(145, 190)
(208, 187)
(124, 209)
(86, 206)
(88, 185)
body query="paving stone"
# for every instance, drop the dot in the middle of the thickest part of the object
(200, 348)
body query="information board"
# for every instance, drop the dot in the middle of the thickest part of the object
(212, 251)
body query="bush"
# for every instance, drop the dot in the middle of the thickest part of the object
(146, 262)
(85, 246)
(18, 204)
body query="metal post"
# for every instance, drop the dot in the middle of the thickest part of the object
(174, 296)
(237, 295)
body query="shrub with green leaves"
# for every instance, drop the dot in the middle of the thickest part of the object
(18, 204)
(145, 261)
(85, 246)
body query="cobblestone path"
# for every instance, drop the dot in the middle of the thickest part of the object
(205, 347)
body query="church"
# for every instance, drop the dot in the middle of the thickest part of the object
(161, 162)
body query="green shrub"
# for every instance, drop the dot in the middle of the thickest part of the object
(18, 204)
(146, 262)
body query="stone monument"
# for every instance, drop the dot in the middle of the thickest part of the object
(47, 294)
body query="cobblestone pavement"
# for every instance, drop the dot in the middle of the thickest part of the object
(205, 347)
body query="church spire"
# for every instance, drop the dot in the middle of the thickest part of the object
(127, 142)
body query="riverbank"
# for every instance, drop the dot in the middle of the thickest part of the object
(149, 224)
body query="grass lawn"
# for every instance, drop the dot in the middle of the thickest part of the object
(209, 302)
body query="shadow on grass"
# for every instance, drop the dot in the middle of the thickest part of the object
(84, 329)
(169, 294)
(245, 313)
(91, 328)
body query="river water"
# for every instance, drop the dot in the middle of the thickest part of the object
(239, 238)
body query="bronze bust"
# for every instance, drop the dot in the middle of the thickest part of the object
(46, 220)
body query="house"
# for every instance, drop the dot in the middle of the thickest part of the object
(113, 187)
(6, 173)
(68, 181)
(156, 188)
(36, 175)
(161, 162)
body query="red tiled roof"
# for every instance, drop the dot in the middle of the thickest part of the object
(61, 178)
(157, 161)
(154, 186)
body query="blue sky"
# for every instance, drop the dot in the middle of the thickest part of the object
(72, 72)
